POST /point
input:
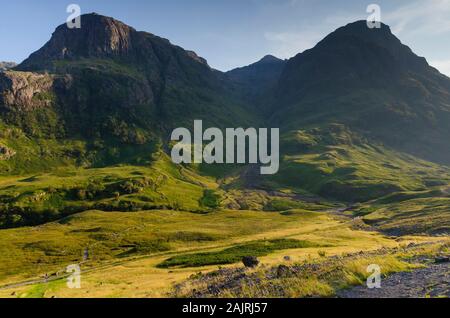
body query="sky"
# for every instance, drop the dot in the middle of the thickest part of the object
(234, 33)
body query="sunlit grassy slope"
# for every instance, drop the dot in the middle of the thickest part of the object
(416, 215)
(148, 226)
(126, 248)
(336, 163)
(39, 198)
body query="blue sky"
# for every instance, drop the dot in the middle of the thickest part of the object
(232, 33)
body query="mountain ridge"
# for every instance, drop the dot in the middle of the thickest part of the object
(143, 72)
(119, 96)
(259, 80)
(367, 79)
(100, 37)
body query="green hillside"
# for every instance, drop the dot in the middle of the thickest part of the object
(84, 163)
(336, 163)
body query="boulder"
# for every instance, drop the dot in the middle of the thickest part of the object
(250, 261)
(283, 271)
(442, 259)
(6, 153)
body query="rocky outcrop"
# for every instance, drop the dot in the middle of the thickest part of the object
(25, 91)
(4, 66)
(103, 37)
(197, 58)
(6, 153)
(98, 37)
(250, 261)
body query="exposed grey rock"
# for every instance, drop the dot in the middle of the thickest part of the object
(6, 153)
(283, 271)
(24, 90)
(4, 66)
(250, 261)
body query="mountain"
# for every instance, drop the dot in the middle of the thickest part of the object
(86, 176)
(369, 81)
(359, 113)
(262, 74)
(107, 83)
(7, 65)
(122, 75)
(259, 79)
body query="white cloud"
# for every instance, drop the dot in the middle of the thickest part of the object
(419, 18)
(288, 44)
(442, 65)
(420, 24)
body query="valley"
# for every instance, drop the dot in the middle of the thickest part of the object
(146, 253)
(86, 176)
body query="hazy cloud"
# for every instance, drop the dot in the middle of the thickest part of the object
(420, 17)
(288, 44)
(442, 65)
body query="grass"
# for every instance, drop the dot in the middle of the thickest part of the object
(126, 248)
(101, 66)
(148, 226)
(311, 278)
(235, 254)
(35, 250)
(337, 164)
(210, 199)
(418, 215)
(40, 198)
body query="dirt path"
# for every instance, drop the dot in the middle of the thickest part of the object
(433, 281)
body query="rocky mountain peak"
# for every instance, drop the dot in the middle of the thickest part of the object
(99, 36)
(358, 38)
(270, 59)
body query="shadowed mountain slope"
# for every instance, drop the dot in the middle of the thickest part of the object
(259, 79)
(367, 79)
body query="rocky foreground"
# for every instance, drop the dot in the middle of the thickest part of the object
(431, 281)
(427, 275)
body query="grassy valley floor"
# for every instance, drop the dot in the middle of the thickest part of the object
(160, 230)
(126, 266)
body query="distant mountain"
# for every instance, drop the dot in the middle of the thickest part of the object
(269, 68)
(368, 80)
(4, 66)
(259, 79)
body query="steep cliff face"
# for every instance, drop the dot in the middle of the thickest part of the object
(98, 37)
(29, 101)
(25, 91)
(104, 38)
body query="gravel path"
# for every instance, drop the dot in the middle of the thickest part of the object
(433, 281)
